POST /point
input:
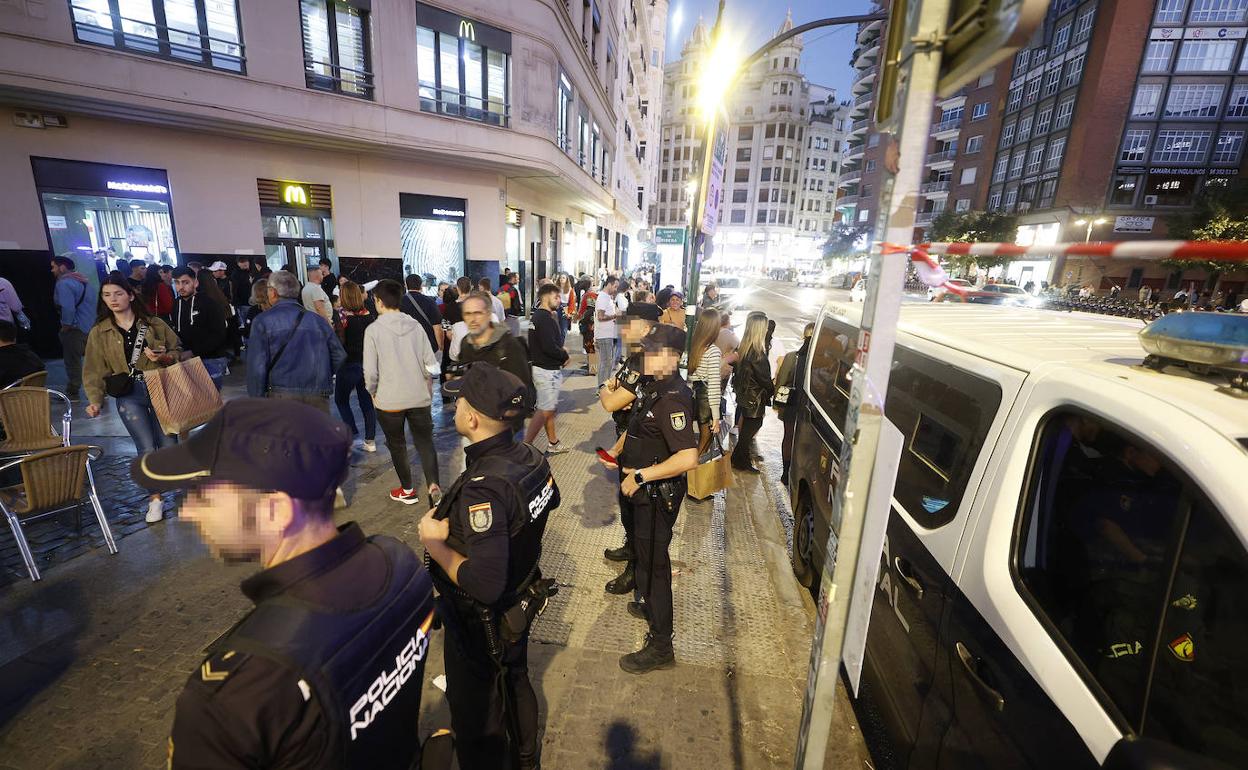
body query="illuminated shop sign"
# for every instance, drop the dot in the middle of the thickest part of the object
(448, 213)
(295, 194)
(159, 189)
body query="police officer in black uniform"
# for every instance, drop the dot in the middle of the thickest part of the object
(326, 670)
(485, 540)
(660, 446)
(617, 395)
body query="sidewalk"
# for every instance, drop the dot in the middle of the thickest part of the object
(93, 656)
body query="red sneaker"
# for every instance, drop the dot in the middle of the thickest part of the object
(405, 496)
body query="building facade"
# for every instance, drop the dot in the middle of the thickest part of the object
(783, 158)
(391, 136)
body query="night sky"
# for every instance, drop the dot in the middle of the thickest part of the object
(825, 58)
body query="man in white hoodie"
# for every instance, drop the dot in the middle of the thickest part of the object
(396, 353)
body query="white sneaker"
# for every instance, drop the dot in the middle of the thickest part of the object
(557, 448)
(155, 510)
(369, 446)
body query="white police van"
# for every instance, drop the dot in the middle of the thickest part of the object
(1065, 579)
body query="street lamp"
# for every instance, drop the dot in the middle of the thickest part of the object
(1087, 236)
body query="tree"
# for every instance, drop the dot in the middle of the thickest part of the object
(973, 227)
(1219, 213)
(844, 240)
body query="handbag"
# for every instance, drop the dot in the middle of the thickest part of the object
(183, 395)
(713, 475)
(118, 385)
(781, 396)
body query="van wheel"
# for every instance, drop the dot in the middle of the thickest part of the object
(804, 543)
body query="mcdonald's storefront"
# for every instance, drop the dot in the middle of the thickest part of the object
(297, 220)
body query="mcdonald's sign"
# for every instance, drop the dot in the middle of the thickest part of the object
(295, 194)
(467, 30)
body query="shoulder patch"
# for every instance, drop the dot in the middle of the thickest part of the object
(678, 420)
(480, 517)
(217, 667)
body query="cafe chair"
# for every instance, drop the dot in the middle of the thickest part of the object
(53, 481)
(32, 380)
(24, 415)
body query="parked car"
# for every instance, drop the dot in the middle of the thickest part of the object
(1064, 578)
(937, 293)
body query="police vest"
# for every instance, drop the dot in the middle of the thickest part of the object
(630, 379)
(535, 486)
(365, 668)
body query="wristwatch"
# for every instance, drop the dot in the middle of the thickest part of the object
(637, 477)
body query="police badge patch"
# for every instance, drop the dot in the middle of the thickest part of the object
(678, 420)
(480, 517)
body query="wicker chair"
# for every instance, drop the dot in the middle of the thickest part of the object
(24, 416)
(53, 481)
(32, 380)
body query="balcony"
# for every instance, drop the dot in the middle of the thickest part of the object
(864, 78)
(849, 177)
(859, 126)
(943, 157)
(870, 30)
(864, 99)
(944, 126)
(934, 187)
(854, 151)
(925, 217)
(868, 53)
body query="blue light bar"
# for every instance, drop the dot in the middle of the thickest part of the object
(1217, 340)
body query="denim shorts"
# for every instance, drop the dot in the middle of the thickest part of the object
(547, 382)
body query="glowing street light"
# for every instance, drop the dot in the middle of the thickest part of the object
(1087, 236)
(719, 72)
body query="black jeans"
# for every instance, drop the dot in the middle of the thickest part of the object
(421, 421)
(652, 526)
(351, 377)
(749, 428)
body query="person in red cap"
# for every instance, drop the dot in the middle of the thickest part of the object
(326, 670)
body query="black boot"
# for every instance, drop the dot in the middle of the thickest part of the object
(623, 553)
(649, 658)
(625, 582)
(638, 610)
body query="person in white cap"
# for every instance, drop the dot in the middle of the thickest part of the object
(218, 270)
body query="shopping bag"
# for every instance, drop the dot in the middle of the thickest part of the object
(183, 395)
(713, 473)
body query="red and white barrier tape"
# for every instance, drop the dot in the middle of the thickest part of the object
(928, 268)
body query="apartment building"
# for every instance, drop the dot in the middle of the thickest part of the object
(391, 136)
(862, 167)
(783, 158)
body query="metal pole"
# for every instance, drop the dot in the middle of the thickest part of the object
(876, 340)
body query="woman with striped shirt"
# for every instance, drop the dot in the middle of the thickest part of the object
(704, 361)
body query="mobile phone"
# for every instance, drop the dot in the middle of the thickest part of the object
(606, 456)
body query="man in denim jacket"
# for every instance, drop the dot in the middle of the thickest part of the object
(292, 353)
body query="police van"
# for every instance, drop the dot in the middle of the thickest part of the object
(1065, 579)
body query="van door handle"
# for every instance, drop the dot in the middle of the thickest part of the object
(971, 664)
(903, 569)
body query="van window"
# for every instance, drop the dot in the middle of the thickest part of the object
(1160, 633)
(943, 411)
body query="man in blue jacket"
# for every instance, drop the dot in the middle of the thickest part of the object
(292, 353)
(75, 303)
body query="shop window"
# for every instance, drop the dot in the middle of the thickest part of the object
(1181, 146)
(464, 68)
(1147, 97)
(1140, 577)
(194, 31)
(335, 47)
(1123, 191)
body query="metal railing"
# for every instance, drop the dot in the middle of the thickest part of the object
(946, 125)
(931, 187)
(925, 217)
(448, 101)
(866, 72)
(860, 124)
(944, 155)
(344, 80)
(863, 99)
(160, 40)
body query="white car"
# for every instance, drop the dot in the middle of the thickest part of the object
(814, 278)
(859, 292)
(733, 291)
(937, 293)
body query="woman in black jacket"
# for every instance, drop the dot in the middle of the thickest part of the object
(353, 320)
(752, 382)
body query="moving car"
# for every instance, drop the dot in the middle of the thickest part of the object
(937, 293)
(859, 292)
(733, 291)
(992, 294)
(1064, 580)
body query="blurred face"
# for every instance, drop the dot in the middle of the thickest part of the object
(138, 271)
(185, 285)
(238, 524)
(466, 418)
(166, 276)
(476, 315)
(116, 298)
(676, 302)
(634, 330)
(244, 264)
(314, 275)
(218, 273)
(661, 364)
(59, 270)
(551, 301)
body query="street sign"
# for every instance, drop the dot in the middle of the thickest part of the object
(673, 236)
(715, 181)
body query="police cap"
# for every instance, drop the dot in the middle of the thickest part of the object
(644, 311)
(664, 337)
(491, 391)
(260, 443)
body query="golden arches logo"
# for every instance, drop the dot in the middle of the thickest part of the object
(467, 30)
(295, 194)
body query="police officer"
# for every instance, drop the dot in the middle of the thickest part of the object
(660, 446)
(617, 395)
(485, 540)
(326, 670)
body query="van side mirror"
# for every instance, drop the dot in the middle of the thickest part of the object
(1147, 754)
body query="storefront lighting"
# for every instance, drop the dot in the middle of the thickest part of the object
(295, 194)
(159, 189)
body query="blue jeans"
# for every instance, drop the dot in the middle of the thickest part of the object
(140, 420)
(608, 352)
(216, 369)
(351, 377)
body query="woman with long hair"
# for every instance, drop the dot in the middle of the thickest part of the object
(752, 382)
(704, 361)
(788, 397)
(258, 304)
(353, 320)
(156, 294)
(567, 306)
(125, 342)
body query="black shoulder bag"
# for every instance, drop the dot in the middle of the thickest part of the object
(268, 370)
(118, 385)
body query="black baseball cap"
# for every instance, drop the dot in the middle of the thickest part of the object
(260, 443)
(491, 391)
(645, 311)
(664, 337)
